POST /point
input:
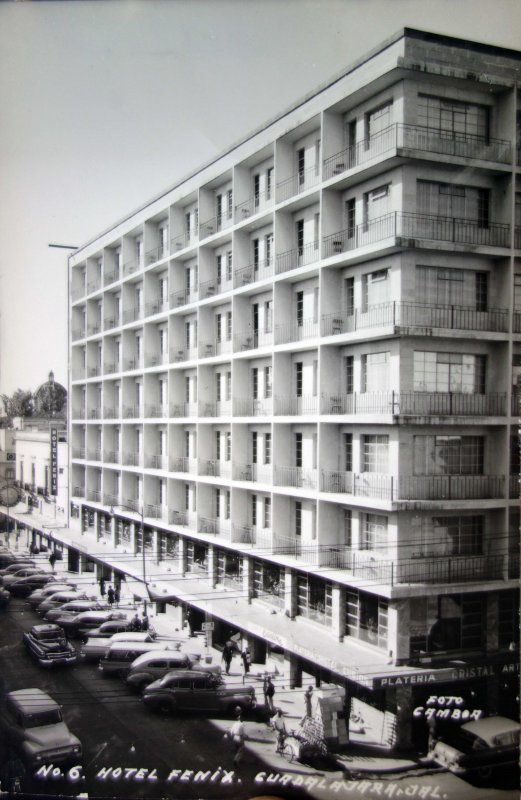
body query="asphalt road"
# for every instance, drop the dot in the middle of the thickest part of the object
(117, 731)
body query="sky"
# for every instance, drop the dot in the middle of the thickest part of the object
(105, 104)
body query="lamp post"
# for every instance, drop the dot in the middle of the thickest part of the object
(140, 513)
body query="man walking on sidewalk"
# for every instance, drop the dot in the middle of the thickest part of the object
(236, 734)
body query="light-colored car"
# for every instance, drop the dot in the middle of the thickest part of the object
(479, 746)
(32, 724)
(96, 646)
(14, 567)
(73, 608)
(119, 656)
(59, 598)
(24, 572)
(150, 667)
(39, 595)
(82, 623)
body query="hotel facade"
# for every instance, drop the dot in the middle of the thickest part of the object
(294, 384)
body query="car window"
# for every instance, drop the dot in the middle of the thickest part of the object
(51, 717)
(184, 683)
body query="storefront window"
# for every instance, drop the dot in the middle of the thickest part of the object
(268, 583)
(367, 618)
(446, 623)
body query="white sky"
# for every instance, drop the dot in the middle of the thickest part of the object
(104, 104)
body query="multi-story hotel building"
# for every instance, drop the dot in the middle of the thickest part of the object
(294, 383)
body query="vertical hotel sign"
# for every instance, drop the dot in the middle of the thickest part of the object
(54, 461)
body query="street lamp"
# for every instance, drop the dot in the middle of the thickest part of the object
(142, 515)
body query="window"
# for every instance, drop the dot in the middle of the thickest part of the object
(367, 617)
(452, 287)
(269, 182)
(375, 453)
(376, 204)
(317, 156)
(254, 510)
(219, 269)
(267, 513)
(228, 385)
(256, 252)
(255, 383)
(348, 527)
(299, 230)
(229, 262)
(373, 532)
(218, 322)
(229, 203)
(508, 615)
(187, 444)
(217, 500)
(456, 535)
(449, 372)
(301, 163)
(375, 372)
(349, 364)
(298, 518)
(228, 325)
(375, 288)
(299, 297)
(268, 316)
(228, 441)
(448, 622)
(218, 445)
(254, 442)
(351, 217)
(377, 121)
(268, 245)
(348, 452)
(298, 450)
(256, 190)
(218, 386)
(267, 382)
(267, 448)
(448, 455)
(299, 372)
(227, 504)
(315, 304)
(453, 118)
(454, 201)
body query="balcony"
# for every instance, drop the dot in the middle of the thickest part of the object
(248, 407)
(413, 487)
(132, 412)
(111, 322)
(298, 477)
(184, 409)
(112, 457)
(129, 267)
(189, 353)
(423, 139)
(111, 277)
(300, 182)
(132, 314)
(94, 413)
(78, 490)
(184, 297)
(156, 307)
(154, 511)
(110, 499)
(404, 225)
(250, 340)
(178, 518)
(94, 328)
(157, 462)
(295, 406)
(295, 331)
(155, 254)
(78, 333)
(213, 287)
(77, 293)
(298, 257)
(208, 525)
(221, 408)
(186, 239)
(157, 412)
(215, 469)
(132, 459)
(133, 505)
(416, 404)
(94, 371)
(94, 495)
(111, 367)
(214, 347)
(261, 473)
(259, 271)
(253, 205)
(78, 452)
(243, 534)
(133, 363)
(157, 359)
(215, 224)
(109, 412)
(423, 317)
(93, 285)
(184, 464)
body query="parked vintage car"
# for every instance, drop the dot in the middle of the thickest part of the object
(479, 746)
(149, 667)
(193, 690)
(73, 608)
(13, 567)
(31, 724)
(39, 595)
(112, 626)
(24, 586)
(49, 646)
(82, 623)
(23, 572)
(96, 646)
(120, 655)
(58, 598)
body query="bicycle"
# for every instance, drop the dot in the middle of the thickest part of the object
(301, 749)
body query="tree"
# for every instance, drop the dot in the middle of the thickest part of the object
(20, 404)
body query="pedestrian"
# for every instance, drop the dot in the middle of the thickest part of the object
(246, 659)
(236, 735)
(308, 695)
(432, 738)
(110, 596)
(116, 596)
(269, 693)
(52, 560)
(227, 656)
(188, 622)
(279, 726)
(102, 587)
(135, 624)
(145, 623)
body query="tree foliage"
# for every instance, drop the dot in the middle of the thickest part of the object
(19, 404)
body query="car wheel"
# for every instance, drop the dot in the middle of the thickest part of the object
(234, 708)
(485, 772)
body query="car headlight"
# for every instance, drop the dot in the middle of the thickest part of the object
(38, 757)
(77, 749)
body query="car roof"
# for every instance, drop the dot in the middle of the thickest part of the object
(174, 655)
(49, 628)
(129, 636)
(488, 727)
(33, 700)
(122, 647)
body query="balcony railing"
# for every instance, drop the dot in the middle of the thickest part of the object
(133, 505)
(132, 314)
(156, 359)
(111, 276)
(261, 473)
(513, 487)
(298, 257)
(77, 292)
(155, 254)
(214, 468)
(253, 205)
(132, 459)
(93, 286)
(221, 408)
(214, 347)
(109, 412)
(111, 367)
(208, 525)
(183, 297)
(111, 322)
(295, 406)
(159, 412)
(243, 534)
(157, 462)
(78, 333)
(78, 452)
(418, 137)
(299, 477)
(186, 239)
(78, 490)
(94, 495)
(184, 464)
(132, 412)
(156, 307)
(412, 226)
(259, 271)
(94, 328)
(215, 224)
(248, 407)
(250, 340)
(294, 331)
(110, 499)
(213, 287)
(178, 518)
(300, 182)
(421, 316)
(94, 413)
(155, 511)
(112, 456)
(133, 363)
(413, 487)
(184, 409)
(416, 403)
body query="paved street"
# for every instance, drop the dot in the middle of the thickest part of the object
(117, 731)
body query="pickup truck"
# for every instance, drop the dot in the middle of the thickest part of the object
(49, 646)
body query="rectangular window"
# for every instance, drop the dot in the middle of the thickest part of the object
(316, 231)
(348, 527)
(377, 121)
(453, 118)
(449, 372)
(299, 373)
(187, 497)
(444, 286)
(299, 297)
(217, 501)
(254, 448)
(268, 316)
(348, 452)
(229, 203)
(376, 204)
(448, 455)
(227, 506)
(455, 201)
(254, 510)
(298, 518)
(267, 382)
(317, 156)
(228, 325)
(256, 190)
(219, 331)
(349, 364)
(374, 532)
(255, 383)
(268, 245)
(269, 183)
(299, 231)
(315, 304)
(375, 288)
(228, 442)
(456, 535)
(267, 512)
(298, 449)
(217, 445)
(375, 372)
(256, 252)
(351, 217)
(219, 269)
(228, 385)
(301, 165)
(267, 448)
(229, 262)
(375, 453)
(218, 387)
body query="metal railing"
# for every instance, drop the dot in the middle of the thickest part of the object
(129, 267)
(112, 456)
(156, 359)
(417, 137)
(295, 406)
(186, 239)
(94, 495)
(183, 297)
(132, 459)
(111, 322)
(413, 487)
(299, 477)
(159, 412)
(416, 403)
(261, 473)
(157, 462)
(132, 314)
(248, 407)
(155, 254)
(298, 257)
(215, 224)
(214, 347)
(301, 181)
(78, 292)
(421, 316)
(184, 464)
(213, 468)
(94, 328)
(259, 271)
(78, 333)
(295, 331)
(220, 408)
(249, 340)
(178, 518)
(156, 307)
(243, 534)
(208, 525)
(111, 277)
(132, 412)
(253, 205)
(184, 410)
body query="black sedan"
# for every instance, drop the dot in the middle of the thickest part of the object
(49, 646)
